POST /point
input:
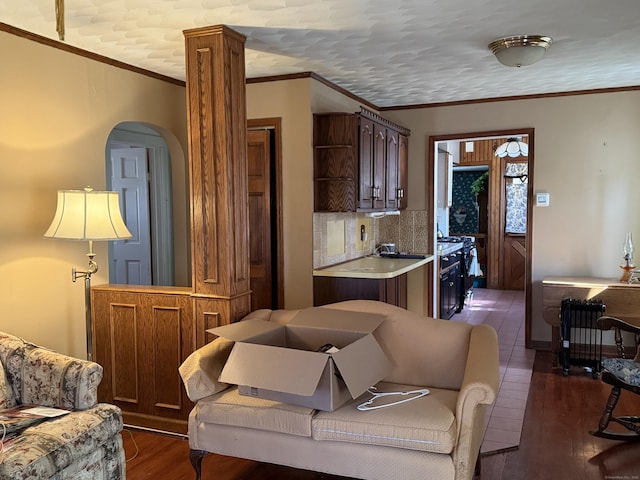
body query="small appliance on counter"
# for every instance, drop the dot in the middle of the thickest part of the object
(387, 248)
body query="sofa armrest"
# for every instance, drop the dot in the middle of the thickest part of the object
(201, 369)
(479, 388)
(43, 377)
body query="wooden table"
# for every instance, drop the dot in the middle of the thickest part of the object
(622, 300)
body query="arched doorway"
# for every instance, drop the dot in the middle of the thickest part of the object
(149, 176)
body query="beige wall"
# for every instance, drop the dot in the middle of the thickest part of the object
(56, 112)
(586, 156)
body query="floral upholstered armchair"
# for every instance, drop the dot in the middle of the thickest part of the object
(82, 444)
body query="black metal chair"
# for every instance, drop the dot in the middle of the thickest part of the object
(621, 373)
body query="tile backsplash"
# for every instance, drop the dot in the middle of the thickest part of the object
(337, 236)
(407, 230)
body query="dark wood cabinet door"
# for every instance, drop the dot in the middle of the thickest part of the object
(403, 170)
(379, 166)
(392, 170)
(365, 175)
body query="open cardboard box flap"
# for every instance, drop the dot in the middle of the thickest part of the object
(275, 369)
(362, 365)
(331, 318)
(283, 358)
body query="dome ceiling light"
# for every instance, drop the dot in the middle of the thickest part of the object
(520, 50)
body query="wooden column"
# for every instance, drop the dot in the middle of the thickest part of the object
(217, 121)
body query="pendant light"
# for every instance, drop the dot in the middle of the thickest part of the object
(513, 147)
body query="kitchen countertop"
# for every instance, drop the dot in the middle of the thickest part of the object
(373, 267)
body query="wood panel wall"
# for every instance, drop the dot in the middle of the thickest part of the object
(217, 120)
(141, 335)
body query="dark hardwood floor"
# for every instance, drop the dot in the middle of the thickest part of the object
(555, 442)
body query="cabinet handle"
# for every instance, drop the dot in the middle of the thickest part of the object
(400, 193)
(451, 284)
(376, 192)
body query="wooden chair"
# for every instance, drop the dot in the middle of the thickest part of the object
(621, 373)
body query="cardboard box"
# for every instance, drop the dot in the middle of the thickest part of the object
(281, 362)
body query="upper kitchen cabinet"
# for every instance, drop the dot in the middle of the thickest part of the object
(335, 162)
(360, 163)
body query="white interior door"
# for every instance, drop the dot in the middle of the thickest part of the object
(129, 176)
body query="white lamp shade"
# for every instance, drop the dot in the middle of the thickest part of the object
(88, 215)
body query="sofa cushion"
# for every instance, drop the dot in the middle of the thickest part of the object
(50, 447)
(624, 369)
(426, 424)
(231, 408)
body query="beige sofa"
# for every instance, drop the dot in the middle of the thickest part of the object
(437, 436)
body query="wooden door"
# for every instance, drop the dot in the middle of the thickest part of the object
(260, 234)
(514, 262)
(131, 259)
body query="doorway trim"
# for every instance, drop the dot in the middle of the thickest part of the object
(275, 124)
(431, 201)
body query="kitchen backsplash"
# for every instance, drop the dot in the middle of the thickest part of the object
(337, 236)
(407, 230)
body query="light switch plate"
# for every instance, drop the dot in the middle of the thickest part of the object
(542, 199)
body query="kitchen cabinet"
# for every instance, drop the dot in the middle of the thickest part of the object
(360, 163)
(368, 278)
(336, 289)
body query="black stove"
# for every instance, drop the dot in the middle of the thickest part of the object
(465, 280)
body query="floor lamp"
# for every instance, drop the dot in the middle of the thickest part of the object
(88, 215)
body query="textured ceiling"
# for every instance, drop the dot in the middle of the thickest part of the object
(391, 53)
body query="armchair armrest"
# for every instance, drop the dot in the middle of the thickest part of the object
(479, 388)
(40, 376)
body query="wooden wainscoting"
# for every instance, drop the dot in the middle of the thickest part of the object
(140, 337)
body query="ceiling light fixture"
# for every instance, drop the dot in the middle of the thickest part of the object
(512, 147)
(60, 18)
(520, 50)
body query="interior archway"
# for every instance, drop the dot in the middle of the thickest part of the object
(157, 206)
